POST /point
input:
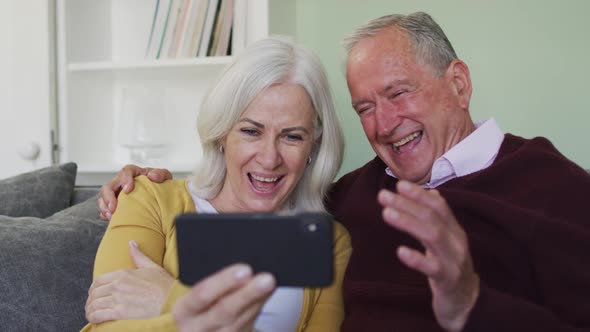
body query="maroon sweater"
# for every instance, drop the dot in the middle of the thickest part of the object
(529, 234)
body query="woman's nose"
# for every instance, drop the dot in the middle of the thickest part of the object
(269, 156)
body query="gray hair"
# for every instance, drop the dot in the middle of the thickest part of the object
(429, 42)
(263, 64)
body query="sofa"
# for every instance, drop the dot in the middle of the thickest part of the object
(49, 234)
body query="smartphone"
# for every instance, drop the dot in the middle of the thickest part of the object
(296, 249)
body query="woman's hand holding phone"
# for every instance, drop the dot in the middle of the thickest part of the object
(229, 300)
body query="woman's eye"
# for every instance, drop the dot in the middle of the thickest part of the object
(249, 131)
(294, 137)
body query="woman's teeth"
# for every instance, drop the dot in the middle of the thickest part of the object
(263, 179)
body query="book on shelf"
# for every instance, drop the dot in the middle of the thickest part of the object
(239, 26)
(171, 23)
(194, 29)
(223, 26)
(179, 28)
(161, 10)
(212, 9)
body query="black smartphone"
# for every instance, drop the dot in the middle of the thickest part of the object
(296, 249)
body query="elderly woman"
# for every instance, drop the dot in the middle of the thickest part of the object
(271, 143)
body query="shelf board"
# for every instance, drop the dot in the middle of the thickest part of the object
(148, 64)
(115, 167)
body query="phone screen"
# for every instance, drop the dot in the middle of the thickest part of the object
(296, 249)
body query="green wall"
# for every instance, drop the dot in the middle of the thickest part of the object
(529, 62)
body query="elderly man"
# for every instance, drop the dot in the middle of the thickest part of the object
(455, 225)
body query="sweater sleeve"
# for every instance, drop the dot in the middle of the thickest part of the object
(138, 217)
(498, 311)
(559, 252)
(328, 310)
(177, 290)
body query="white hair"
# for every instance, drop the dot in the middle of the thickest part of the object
(265, 63)
(429, 42)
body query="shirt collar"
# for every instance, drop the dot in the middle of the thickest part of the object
(474, 153)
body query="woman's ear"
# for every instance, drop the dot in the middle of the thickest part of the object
(460, 79)
(222, 145)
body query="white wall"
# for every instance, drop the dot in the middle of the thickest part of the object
(24, 83)
(529, 62)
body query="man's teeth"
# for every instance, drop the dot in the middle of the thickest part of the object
(263, 179)
(406, 139)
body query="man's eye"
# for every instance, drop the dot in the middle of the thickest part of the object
(397, 94)
(362, 110)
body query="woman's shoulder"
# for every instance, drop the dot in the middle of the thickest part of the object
(341, 235)
(165, 193)
(143, 183)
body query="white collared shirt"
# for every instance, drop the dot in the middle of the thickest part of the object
(474, 153)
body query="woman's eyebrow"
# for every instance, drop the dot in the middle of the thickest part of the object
(303, 129)
(255, 123)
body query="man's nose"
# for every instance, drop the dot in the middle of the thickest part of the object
(387, 119)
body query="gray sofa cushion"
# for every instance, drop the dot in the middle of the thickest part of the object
(46, 268)
(40, 193)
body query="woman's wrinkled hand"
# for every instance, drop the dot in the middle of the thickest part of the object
(229, 300)
(129, 293)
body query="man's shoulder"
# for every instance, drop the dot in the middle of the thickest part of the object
(533, 161)
(372, 168)
(534, 151)
(359, 184)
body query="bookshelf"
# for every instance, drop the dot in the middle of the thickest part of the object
(101, 55)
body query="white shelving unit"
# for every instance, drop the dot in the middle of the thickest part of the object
(100, 52)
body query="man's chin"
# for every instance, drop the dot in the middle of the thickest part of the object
(412, 176)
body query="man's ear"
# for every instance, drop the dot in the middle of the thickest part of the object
(460, 79)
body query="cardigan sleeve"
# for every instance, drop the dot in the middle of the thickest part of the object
(327, 311)
(138, 217)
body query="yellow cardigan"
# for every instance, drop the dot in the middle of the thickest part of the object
(147, 214)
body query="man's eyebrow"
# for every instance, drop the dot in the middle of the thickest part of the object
(390, 86)
(394, 84)
(358, 102)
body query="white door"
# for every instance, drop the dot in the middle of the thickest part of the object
(26, 98)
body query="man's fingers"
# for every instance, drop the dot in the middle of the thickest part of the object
(436, 236)
(430, 198)
(139, 258)
(428, 265)
(103, 209)
(396, 214)
(159, 175)
(407, 205)
(107, 201)
(127, 174)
